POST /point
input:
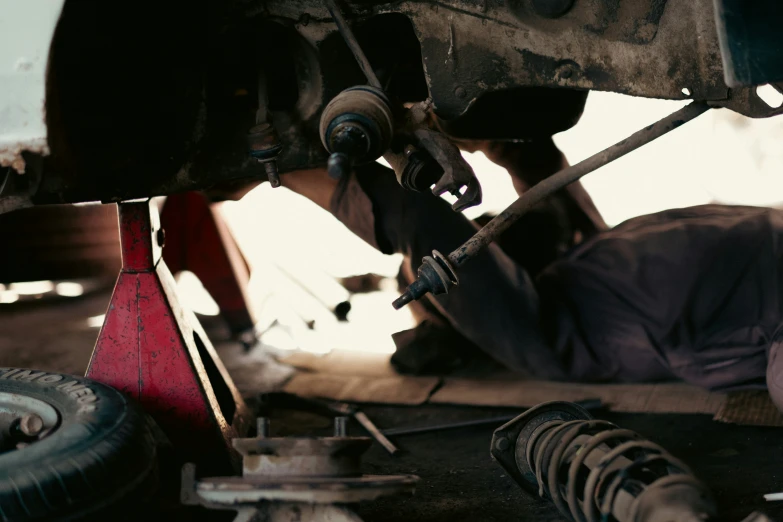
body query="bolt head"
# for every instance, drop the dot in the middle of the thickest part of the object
(460, 93)
(502, 444)
(31, 425)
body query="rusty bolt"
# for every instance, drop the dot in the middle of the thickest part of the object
(271, 173)
(552, 8)
(31, 425)
(160, 237)
(341, 426)
(460, 93)
(265, 146)
(502, 444)
(262, 427)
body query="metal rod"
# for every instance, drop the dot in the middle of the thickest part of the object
(493, 421)
(352, 43)
(437, 275)
(588, 404)
(377, 434)
(557, 181)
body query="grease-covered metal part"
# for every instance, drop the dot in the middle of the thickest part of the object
(592, 470)
(465, 56)
(422, 158)
(415, 169)
(436, 275)
(426, 283)
(265, 146)
(356, 127)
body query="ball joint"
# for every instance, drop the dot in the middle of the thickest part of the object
(356, 128)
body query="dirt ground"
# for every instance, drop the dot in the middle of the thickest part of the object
(459, 480)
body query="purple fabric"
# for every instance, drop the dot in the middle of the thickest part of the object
(691, 294)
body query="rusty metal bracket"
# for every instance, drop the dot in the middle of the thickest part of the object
(310, 477)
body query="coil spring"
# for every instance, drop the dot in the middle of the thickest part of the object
(594, 471)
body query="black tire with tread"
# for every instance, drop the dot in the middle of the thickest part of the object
(102, 452)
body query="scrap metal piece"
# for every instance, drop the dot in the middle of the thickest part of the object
(431, 281)
(592, 470)
(295, 479)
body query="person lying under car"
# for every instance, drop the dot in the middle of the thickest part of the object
(693, 294)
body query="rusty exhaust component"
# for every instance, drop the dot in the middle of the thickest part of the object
(437, 273)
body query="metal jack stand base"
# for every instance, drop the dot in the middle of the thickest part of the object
(154, 350)
(295, 479)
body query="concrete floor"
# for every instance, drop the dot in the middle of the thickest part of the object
(459, 480)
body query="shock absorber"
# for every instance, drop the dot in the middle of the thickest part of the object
(594, 471)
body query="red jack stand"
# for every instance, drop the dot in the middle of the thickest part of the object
(155, 351)
(198, 240)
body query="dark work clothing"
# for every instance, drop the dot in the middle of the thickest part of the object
(691, 294)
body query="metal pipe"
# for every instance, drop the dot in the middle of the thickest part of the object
(552, 184)
(587, 404)
(352, 43)
(377, 434)
(437, 274)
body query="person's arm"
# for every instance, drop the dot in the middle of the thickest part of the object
(529, 162)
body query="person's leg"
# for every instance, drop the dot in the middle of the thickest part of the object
(495, 305)
(692, 294)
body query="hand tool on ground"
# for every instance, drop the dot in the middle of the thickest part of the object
(329, 409)
(588, 404)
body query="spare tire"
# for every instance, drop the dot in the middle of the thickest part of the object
(87, 447)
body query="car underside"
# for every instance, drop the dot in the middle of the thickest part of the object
(146, 99)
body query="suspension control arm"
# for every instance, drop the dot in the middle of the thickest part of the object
(438, 273)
